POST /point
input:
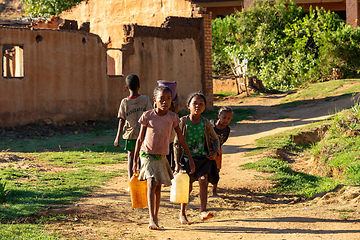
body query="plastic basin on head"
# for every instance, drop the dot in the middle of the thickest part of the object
(171, 84)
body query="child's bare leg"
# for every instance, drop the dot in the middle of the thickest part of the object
(157, 203)
(152, 203)
(214, 190)
(182, 216)
(130, 163)
(203, 184)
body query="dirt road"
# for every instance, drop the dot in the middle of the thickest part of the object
(240, 212)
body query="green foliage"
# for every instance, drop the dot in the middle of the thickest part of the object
(47, 8)
(284, 47)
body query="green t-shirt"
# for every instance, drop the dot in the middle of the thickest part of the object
(195, 138)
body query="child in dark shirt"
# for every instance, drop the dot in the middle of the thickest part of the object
(222, 130)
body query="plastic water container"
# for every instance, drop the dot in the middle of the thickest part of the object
(179, 191)
(171, 84)
(138, 192)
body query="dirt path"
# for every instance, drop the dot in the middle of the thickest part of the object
(240, 211)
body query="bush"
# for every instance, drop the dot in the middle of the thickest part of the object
(47, 8)
(284, 47)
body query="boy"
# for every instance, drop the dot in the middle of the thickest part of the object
(222, 130)
(130, 111)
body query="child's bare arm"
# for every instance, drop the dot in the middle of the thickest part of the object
(118, 134)
(215, 143)
(184, 145)
(139, 142)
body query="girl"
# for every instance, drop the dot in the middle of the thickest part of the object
(153, 140)
(204, 146)
(222, 130)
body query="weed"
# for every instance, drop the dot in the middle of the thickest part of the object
(343, 210)
(344, 216)
(3, 191)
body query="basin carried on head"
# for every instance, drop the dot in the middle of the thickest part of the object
(172, 85)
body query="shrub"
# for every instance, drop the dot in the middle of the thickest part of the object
(47, 8)
(284, 47)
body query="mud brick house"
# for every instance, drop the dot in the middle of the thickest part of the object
(72, 68)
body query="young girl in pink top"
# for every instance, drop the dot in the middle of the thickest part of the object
(153, 145)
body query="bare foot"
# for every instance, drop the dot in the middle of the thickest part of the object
(153, 225)
(206, 215)
(184, 220)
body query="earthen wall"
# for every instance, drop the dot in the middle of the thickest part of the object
(64, 78)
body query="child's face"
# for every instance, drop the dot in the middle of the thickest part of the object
(163, 100)
(197, 105)
(225, 118)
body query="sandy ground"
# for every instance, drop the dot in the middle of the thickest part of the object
(240, 211)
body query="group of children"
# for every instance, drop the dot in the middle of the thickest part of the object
(197, 145)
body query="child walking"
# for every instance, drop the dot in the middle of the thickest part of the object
(153, 145)
(222, 130)
(129, 113)
(204, 146)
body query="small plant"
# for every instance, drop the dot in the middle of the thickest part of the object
(3, 191)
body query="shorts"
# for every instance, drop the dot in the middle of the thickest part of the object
(130, 144)
(203, 166)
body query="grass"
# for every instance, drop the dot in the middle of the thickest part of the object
(77, 152)
(26, 231)
(324, 90)
(31, 191)
(79, 158)
(225, 94)
(338, 153)
(289, 181)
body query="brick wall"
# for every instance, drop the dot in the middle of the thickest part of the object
(208, 84)
(352, 12)
(207, 57)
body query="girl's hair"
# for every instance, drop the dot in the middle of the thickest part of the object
(226, 109)
(195, 95)
(161, 88)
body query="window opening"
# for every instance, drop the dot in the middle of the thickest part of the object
(114, 63)
(13, 61)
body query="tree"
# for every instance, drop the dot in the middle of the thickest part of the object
(286, 48)
(47, 8)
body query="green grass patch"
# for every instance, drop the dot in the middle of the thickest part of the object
(225, 94)
(80, 158)
(31, 191)
(289, 181)
(76, 151)
(26, 231)
(337, 155)
(324, 90)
